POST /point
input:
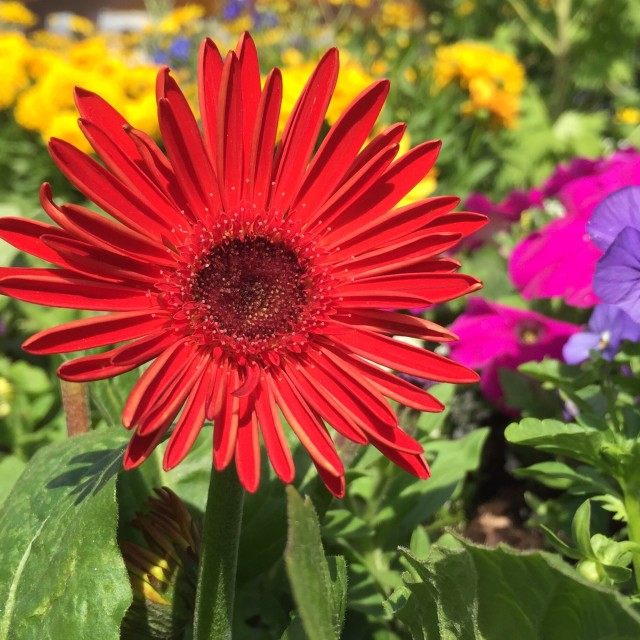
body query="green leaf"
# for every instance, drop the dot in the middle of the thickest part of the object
(478, 593)
(62, 575)
(570, 439)
(311, 581)
(581, 529)
(10, 469)
(559, 475)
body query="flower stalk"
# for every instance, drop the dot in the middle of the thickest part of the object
(218, 562)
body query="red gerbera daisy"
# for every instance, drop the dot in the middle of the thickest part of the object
(254, 280)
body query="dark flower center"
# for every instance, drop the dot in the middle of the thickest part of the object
(251, 289)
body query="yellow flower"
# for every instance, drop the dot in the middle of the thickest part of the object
(493, 79)
(64, 125)
(181, 19)
(628, 115)
(6, 396)
(15, 13)
(142, 113)
(15, 53)
(81, 25)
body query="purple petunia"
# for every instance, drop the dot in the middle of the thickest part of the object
(608, 327)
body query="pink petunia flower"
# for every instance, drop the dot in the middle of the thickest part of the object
(559, 260)
(494, 337)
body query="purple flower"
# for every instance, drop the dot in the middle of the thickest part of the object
(615, 228)
(608, 327)
(560, 260)
(494, 337)
(180, 48)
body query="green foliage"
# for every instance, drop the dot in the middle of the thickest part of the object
(472, 593)
(62, 575)
(318, 586)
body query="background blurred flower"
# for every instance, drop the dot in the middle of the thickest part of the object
(615, 228)
(15, 13)
(494, 336)
(608, 327)
(493, 79)
(560, 259)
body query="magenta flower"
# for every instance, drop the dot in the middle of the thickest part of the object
(494, 337)
(501, 215)
(559, 260)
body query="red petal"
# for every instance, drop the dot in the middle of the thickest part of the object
(402, 176)
(275, 441)
(302, 129)
(140, 447)
(154, 382)
(340, 147)
(360, 401)
(264, 136)
(190, 422)
(103, 188)
(25, 235)
(414, 248)
(321, 401)
(97, 110)
(350, 192)
(435, 287)
(307, 426)
(398, 223)
(97, 262)
(250, 79)
(166, 408)
(405, 357)
(248, 449)
(394, 387)
(414, 464)
(209, 73)
(90, 368)
(229, 142)
(89, 333)
(218, 390)
(380, 430)
(97, 229)
(336, 484)
(129, 172)
(389, 136)
(396, 324)
(225, 430)
(69, 290)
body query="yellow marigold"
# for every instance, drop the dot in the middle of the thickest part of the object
(400, 14)
(180, 19)
(33, 110)
(493, 79)
(81, 25)
(15, 13)
(139, 81)
(628, 115)
(142, 113)
(15, 53)
(352, 80)
(64, 125)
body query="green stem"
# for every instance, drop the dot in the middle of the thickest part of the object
(632, 506)
(217, 570)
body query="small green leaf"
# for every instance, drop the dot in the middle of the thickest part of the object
(570, 439)
(62, 575)
(340, 523)
(308, 571)
(581, 529)
(475, 592)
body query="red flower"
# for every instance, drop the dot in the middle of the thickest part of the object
(253, 280)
